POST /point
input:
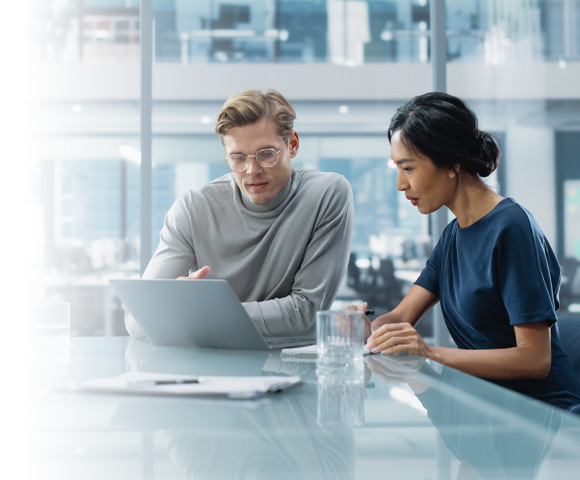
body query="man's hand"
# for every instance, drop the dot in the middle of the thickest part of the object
(367, 327)
(197, 275)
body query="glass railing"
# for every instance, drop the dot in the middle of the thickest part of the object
(346, 32)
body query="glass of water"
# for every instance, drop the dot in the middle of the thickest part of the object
(339, 343)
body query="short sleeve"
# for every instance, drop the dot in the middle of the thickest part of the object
(430, 276)
(528, 272)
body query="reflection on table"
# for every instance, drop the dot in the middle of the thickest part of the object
(483, 439)
(276, 437)
(419, 420)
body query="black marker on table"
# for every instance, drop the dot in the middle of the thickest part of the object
(150, 383)
(176, 382)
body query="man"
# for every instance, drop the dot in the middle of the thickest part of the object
(280, 236)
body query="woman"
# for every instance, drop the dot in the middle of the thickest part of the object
(493, 270)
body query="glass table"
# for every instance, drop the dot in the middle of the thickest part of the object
(406, 418)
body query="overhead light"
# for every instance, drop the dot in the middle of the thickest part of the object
(102, 34)
(232, 33)
(386, 35)
(392, 164)
(574, 308)
(363, 263)
(206, 120)
(77, 108)
(343, 109)
(130, 153)
(221, 56)
(562, 64)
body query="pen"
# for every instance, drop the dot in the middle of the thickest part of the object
(369, 313)
(167, 382)
(175, 382)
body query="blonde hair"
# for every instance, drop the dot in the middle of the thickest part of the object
(252, 105)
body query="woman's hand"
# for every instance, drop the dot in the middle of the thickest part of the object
(398, 371)
(396, 338)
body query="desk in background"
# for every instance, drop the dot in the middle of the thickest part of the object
(421, 421)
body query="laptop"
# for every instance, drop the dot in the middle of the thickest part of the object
(195, 313)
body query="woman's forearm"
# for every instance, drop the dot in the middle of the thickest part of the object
(497, 364)
(416, 303)
(530, 358)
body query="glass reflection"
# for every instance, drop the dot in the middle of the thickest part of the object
(275, 437)
(272, 438)
(340, 402)
(509, 442)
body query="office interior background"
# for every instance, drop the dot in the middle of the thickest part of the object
(345, 65)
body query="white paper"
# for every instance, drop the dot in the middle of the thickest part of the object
(310, 350)
(231, 387)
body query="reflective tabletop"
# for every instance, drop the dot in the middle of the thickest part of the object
(406, 418)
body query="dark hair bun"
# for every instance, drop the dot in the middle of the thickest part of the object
(443, 128)
(487, 154)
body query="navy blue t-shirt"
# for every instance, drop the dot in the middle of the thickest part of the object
(494, 274)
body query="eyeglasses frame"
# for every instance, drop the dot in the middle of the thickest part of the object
(255, 156)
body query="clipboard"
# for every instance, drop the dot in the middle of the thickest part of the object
(145, 383)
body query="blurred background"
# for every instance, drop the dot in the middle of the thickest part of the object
(345, 65)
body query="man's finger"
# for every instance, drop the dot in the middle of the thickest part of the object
(362, 307)
(199, 274)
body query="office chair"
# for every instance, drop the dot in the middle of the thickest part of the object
(569, 267)
(569, 329)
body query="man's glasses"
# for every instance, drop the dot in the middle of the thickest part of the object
(266, 157)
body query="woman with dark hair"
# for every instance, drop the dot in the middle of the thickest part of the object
(493, 269)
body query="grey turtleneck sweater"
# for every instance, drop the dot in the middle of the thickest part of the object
(285, 260)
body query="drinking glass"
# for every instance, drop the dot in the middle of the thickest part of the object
(339, 343)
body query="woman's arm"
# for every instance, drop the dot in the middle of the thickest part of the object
(416, 303)
(530, 358)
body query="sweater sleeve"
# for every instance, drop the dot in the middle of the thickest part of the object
(321, 272)
(174, 256)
